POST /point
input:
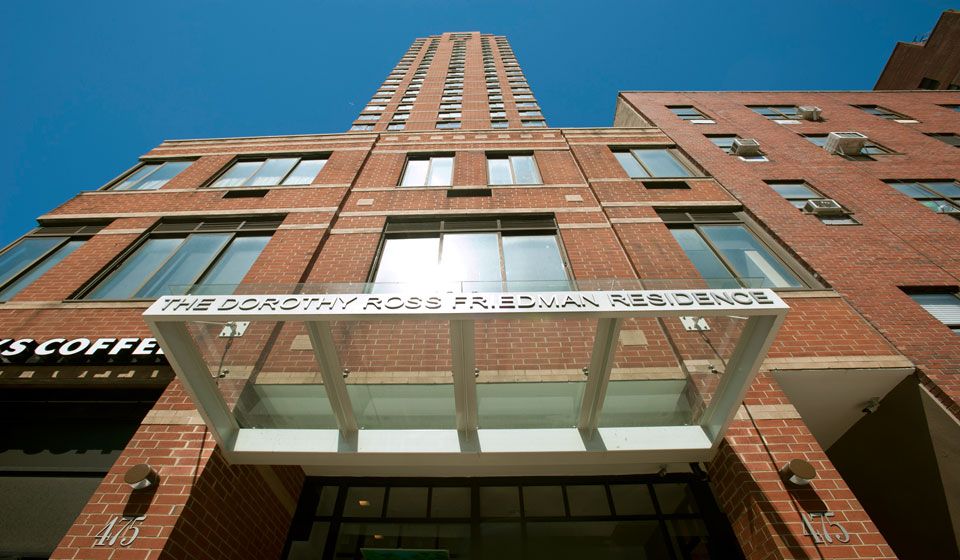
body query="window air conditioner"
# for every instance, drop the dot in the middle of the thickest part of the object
(809, 112)
(824, 207)
(845, 143)
(745, 147)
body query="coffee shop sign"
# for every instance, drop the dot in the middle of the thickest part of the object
(614, 302)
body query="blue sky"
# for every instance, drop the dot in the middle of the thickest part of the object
(87, 87)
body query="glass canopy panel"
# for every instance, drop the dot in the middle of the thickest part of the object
(530, 372)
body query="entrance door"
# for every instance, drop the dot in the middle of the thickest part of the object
(672, 517)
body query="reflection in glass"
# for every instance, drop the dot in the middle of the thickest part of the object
(185, 266)
(39, 270)
(498, 170)
(647, 402)
(703, 258)
(387, 407)
(305, 172)
(232, 265)
(529, 405)
(469, 258)
(238, 174)
(140, 266)
(272, 171)
(661, 163)
(532, 259)
(160, 177)
(410, 263)
(630, 164)
(752, 261)
(24, 253)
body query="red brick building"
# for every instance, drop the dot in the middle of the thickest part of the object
(635, 329)
(932, 62)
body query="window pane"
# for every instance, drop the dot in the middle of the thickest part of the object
(754, 264)
(416, 173)
(948, 189)
(305, 172)
(132, 273)
(661, 163)
(272, 171)
(233, 265)
(498, 170)
(630, 165)
(185, 266)
(238, 174)
(708, 264)
(794, 190)
(471, 258)
(817, 140)
(137, 176)
(441, 171)
(525, 170)
(21, 255)
(412, 261)
(166, 172)
(40, 269)
(533, 262)
(912, 190)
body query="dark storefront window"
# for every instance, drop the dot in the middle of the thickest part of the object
(504, 519)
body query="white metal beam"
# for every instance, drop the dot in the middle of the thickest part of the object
(601, 362)
(332, 374)
(464, 380)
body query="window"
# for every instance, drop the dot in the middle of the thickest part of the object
(942, 196)
(151, 176)
(690, 113)
(496, 106)
(512, 170)
(369, 117)
(448, 124)
(946, 138)
(929, 83)
(652, 162)
(798, 193)
(869, 148)
(424, 171)
(449, 115)
(952, 107)
(32, 256)
(361, 127)
(498, 114)
(783, 114)
(725, 143)
(472, 254)
(396, 126)
(194, 257)
(374, 107)
(271, 172)
(727, 253)
(531, 114)
(885, 113)
(498, 124)
(533, 124)
(451, 106)
(944, 306)
(401, 116)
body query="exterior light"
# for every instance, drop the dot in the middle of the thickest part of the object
(799, 472)
(140, 476)
(363, 503)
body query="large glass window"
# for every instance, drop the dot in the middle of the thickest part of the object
(798, 193)
(151, 176)
(885, 113)
(726, 253)
(512, 170)
(945, 306)
(940, 196)
(652, 162)
(31, 257)
(481, 255)
(178, 259)
(782, 114)
(271, 172)
(690, 113)
(869, 148)
(428, 171)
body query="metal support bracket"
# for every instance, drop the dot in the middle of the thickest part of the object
(601, 362)
(464, 380)
(332, 373)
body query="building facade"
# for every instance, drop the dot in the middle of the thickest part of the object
(932, 62)
(519, 414)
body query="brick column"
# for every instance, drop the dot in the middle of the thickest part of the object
(766, 513)
(202, 507)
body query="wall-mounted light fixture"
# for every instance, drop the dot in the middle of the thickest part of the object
(141, 476)
(799, 472)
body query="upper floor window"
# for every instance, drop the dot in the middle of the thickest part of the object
(946, 138)
(783, 114)
(194, 257)
(652, 162)
(799, 193)
(952, 107)
(943, 305)
(940, 196)
(33, 255)
(725, 143)
(727, 253)
(929, 83)
(361, 127)
(448, 124)
(869, 148)
(533, 123)
(151, 176)
(885, 113)
(512, 170)
(271, 172)
(690, 113)
(472, 254)
(428, 171)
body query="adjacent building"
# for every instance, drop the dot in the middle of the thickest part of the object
(931, 61)
(725, 327)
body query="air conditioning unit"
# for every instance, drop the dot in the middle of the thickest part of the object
(824, 207)
(845, 143)
(745, 147)
(809, 112)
